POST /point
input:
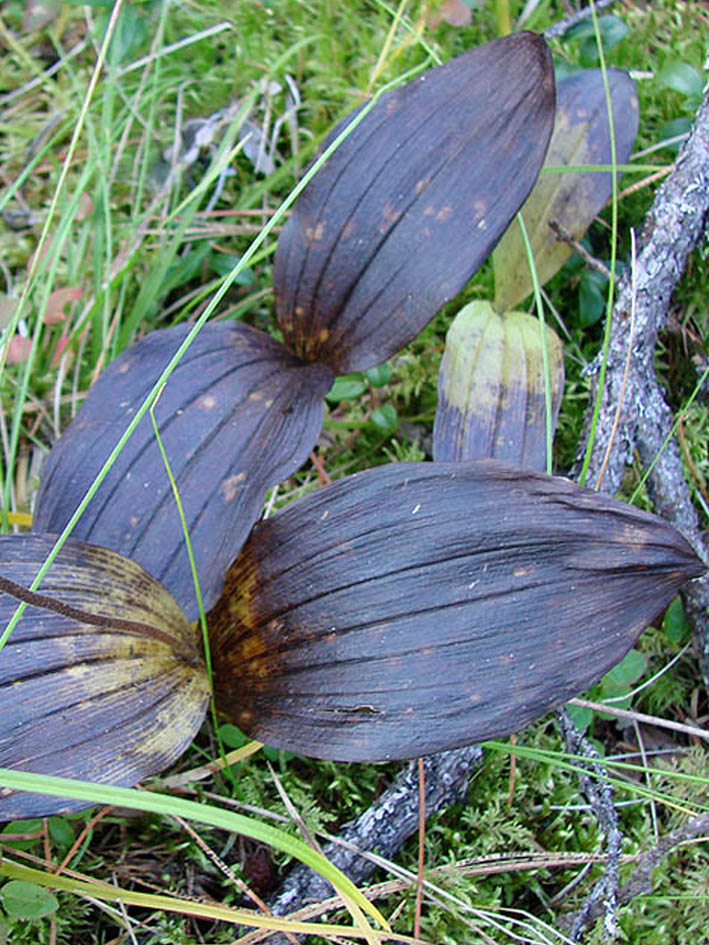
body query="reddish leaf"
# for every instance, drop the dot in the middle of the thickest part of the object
(57, 302)
(238, 415)
(18, 349)
(113, 700)
(412, 202)
(452, 12)
(417, 607)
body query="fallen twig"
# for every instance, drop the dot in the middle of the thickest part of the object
(604, 895)
(675, 225)
(642, 873)
(385, 826)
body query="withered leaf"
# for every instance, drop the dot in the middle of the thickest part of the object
(412, 202)
(491, 401)
(239, 414)
(421, 606)
(581, 136)
(114, 696)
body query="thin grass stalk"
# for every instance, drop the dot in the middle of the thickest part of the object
(206, 814)
(614, 246)
(539, 305)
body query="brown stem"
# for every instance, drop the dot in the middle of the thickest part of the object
(43, 601)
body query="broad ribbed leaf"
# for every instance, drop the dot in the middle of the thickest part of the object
(113, 700)
(581, 136)
(491, 402)
(421, 606)
(412, 202)
(239, 414)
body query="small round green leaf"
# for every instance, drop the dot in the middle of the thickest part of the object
(385, 418)
(675, 624)
(625, 674)
(21, 828)
(61, 832)
(232, 736)
(379, 375)
(682, 78)
(23, 900)
(346, 388)
(592, 297)
(580, 715)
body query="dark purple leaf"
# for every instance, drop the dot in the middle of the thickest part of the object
(238, 415)
(418, 607)
(114, 696)
(581, 136)
(412, 202)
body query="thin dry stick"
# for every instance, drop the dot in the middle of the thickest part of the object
(698, 478)
(513, 773)
(308, 836)
(600, 794)
(422, 848)
(229, 873)
(641, 882)
(564, 236)
(641, 717)
(648, 779)
(88, 827)
(645, 182)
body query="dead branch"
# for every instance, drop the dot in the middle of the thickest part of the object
(604, 895)
(384, 827)
(641, 881)
(674, 226)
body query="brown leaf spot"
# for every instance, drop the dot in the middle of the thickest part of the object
(315, 233)
(207, 402)
(245, 719)
(231, 485)
(444, 213)
(422, 184)
(389, 217)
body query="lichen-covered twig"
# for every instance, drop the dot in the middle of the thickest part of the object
(604, 895)
(641, 881)
(674, 226)
(383, 828)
